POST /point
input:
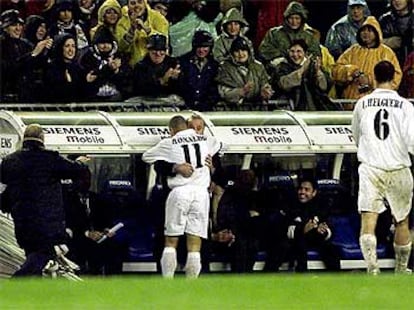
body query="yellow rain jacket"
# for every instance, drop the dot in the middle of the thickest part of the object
(364, 59)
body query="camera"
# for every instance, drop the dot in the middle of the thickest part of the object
(362, 81)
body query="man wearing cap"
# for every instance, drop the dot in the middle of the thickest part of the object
(198, 73)
(33, 179)
(157, 74)
(18, 59)
(342, 33)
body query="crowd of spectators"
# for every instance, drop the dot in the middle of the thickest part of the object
(206, 52)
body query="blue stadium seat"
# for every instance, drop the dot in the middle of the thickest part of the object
(346, 237)
(131, 209)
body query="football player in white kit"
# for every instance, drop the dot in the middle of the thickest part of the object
(383, 128)
(188, 203)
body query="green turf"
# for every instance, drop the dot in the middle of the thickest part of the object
(258, 291)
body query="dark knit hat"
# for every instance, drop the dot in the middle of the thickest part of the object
(64, 5)
(202, 38)
(10, 17)
(34, 132)
(103, 35)
(157, 42)
(239, 43)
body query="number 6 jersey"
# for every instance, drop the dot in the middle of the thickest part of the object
(185, 146)
(383, 129)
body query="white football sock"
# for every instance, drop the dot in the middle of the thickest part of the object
(168, 262)
(368, 244)
(402, 255)
(193, 265)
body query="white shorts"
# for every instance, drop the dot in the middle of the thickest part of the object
(395, 186)
(187, 210)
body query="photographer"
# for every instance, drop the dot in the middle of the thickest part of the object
(137, 23)
(354, 69)
(106, 70)
(300, 78)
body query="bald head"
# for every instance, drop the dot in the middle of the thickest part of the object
(34, 132)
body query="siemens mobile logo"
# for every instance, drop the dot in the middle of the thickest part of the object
(72, 131)
(340, 131)
(6, 143)
(153, 131)
(265, 134)
(260, 131)
(80, 135)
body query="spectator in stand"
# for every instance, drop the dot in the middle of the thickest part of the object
(109, 70)
(66, 79)
(109, 14)
(88, 14)
(407, 82)
(33, 178)
(397, 28)
(239, 213)
(196, 15)
(308, 228)
(198, 73)
(157, 74)
(137, 23)
(343, 33)
(20, 61)
(278, 39)
(243, 82)
(161, 6)
(354, 69)
(301, 79)
(65, 20)
(35, 29)
(233, 25)
(88, 218)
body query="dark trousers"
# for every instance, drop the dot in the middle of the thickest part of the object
(35, 262)
(313, 240)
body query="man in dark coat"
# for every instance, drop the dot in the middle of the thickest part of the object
(198, 73)
(157, 74)
(33, 179)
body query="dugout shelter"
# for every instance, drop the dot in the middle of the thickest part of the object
(281, 146)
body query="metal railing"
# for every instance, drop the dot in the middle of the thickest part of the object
(171, 103)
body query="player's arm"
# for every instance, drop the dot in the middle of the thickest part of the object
(160, 151)
(171, 169)
(355, 125)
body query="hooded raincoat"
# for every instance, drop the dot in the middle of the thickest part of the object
(364, 59)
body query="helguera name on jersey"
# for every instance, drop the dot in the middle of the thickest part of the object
(382, 102)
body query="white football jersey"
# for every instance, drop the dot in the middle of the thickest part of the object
(185, 146)
(383, 128)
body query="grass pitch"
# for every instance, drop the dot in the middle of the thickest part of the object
(213, 291)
